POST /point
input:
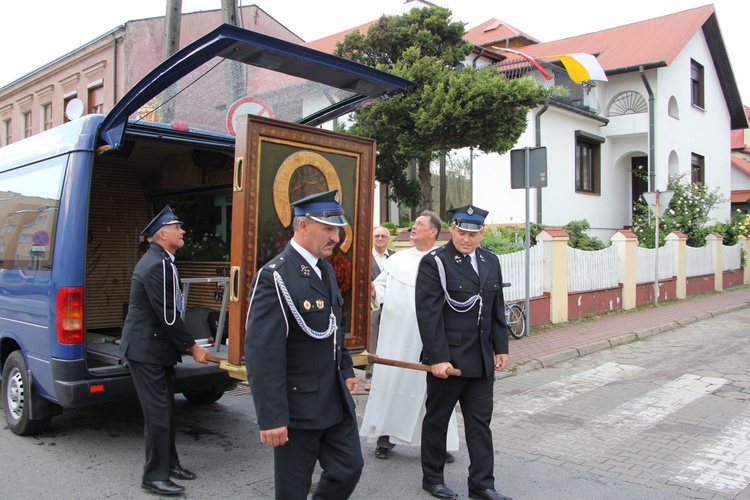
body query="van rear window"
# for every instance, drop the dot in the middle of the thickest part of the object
(29, 204)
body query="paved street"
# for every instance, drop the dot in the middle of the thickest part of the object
(666, 417)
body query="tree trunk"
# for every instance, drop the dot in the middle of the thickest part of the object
(425, 180)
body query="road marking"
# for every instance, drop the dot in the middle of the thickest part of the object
(724, 463)
(554, 393)
(600, 434)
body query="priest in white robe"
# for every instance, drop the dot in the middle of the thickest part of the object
(396, 404)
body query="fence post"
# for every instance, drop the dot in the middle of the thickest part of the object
(715, 241)
(555, 269)
(744, 255)
(626, 242)
(678, 241)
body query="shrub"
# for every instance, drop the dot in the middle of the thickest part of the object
(577, 229)
(688, 211)
(391, 227)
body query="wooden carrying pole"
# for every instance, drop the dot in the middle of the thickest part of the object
(374, 358)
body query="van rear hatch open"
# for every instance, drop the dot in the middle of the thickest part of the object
(232, 71)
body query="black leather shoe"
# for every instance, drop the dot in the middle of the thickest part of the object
(449, 458)
(488, 494)
(439, 490)
(382, 452)
(163, 487)
(179, 472)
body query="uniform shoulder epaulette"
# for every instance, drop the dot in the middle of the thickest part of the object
(276, 262)
(437, 250)
(486, 249)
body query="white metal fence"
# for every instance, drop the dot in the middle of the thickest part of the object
(646, 260)
(732, 257)
(592, 270)
(513, 268)
(699, 261)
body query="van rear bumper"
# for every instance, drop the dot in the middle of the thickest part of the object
(74, 387)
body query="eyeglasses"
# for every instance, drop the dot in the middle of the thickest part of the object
(380, 236)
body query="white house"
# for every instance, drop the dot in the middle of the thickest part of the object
(695, 104)
(600, 135)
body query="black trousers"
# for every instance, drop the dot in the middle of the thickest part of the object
(340, 455)
(155, 387)
(475, 397)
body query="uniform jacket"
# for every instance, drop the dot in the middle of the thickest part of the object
(146, 336)
(469, 341)
(376, 268)
(294, 378)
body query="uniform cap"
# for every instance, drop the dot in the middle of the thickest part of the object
(469, 217)
(165, 217)
(322, 207)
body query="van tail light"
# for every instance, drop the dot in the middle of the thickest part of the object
(70, 315)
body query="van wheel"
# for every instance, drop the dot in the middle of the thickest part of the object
(18, 397)
(205, 396)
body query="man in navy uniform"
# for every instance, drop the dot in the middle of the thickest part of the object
(461, 319)
(154, 337)
(301, 374)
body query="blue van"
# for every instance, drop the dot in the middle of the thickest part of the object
(74, 199)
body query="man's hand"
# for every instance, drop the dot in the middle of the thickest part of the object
(199, 354)
(440, 370)
(501, 361)
(274, 437)
(353, 385)
(372, 290)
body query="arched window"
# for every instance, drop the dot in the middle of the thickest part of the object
(628, 102)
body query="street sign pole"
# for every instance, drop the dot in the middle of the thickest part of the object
(658, 203)
(527, 270)
(656, 245)
(528, 168)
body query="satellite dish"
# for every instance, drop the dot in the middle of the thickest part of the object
(74, 109)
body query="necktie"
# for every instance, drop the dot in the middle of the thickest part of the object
(324, 274)
(472, 262)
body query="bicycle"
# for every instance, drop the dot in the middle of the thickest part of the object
(515, 318)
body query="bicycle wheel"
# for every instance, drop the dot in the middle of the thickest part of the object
(516, 320)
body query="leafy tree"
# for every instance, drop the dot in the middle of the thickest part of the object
(446, 108)
(579, 239)
(688, 211)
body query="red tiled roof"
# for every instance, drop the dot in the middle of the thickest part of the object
(741, 164)
(740, 195)
(494, 31)
(328, 44)
(738, 139)
(654, 42)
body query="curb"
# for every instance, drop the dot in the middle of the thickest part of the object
(575, 352)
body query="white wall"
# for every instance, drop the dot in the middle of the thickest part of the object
(702, 131)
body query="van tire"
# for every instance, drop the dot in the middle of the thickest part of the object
(18, 397)
(205, 396)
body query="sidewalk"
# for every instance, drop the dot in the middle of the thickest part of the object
(554, 344)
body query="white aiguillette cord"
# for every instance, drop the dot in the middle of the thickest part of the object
(281, 288)
(460, 307)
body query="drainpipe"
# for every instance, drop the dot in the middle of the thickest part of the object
(538, 126)
(651, 169)
(114, 69)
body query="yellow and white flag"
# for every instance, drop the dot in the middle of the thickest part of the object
(582, 67)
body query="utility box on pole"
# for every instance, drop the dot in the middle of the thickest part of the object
(537, 160)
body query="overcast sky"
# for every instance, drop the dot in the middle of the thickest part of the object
(31, 38)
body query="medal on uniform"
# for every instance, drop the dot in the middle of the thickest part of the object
(306, 304)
